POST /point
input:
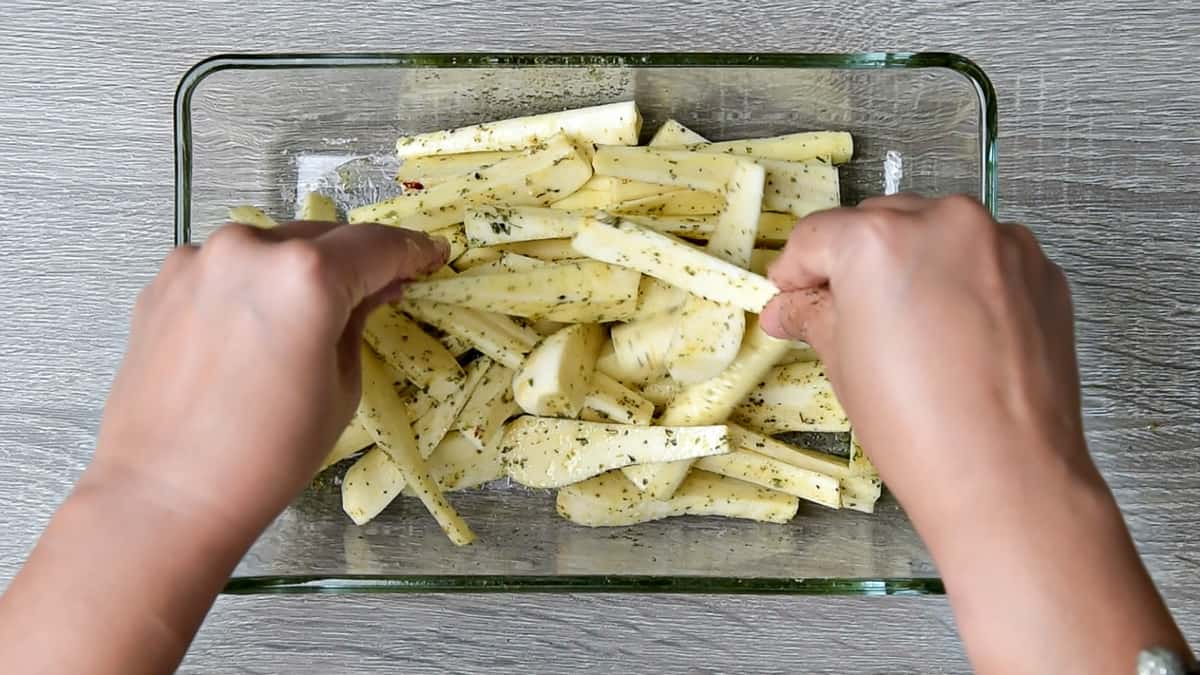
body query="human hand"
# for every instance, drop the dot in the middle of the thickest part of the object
(243, 362)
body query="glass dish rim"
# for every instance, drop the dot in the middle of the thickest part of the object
(365, 583)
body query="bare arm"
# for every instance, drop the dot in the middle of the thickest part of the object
(949, 339)
(242, 369)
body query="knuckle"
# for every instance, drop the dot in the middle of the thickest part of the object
(964, 205)
(230, 238)
(303, 265)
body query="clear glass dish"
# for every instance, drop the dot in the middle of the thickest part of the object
(259, 129)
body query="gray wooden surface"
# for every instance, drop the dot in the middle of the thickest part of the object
(1100, 152)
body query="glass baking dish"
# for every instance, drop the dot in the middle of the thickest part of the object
(259, 129)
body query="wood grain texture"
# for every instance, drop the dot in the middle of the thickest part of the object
(1099, 149)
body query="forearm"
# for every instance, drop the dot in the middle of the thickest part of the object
(119, 583)
(1041, 571)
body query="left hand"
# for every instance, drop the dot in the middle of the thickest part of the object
(242, 366)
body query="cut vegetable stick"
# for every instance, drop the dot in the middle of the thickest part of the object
(353, 438)
(608, 364)
(661, 391)
(584, 200)
(610, 500)
(702, 171)
(837, 146)
(614, 123)
(475, 257)
(545, 327)
(550, 250)
(675, 262)
(409, 349)
(657, 297)
(496, 380)
(860, 493)
(795, 397)
(426, 171)
(454, 344)
(456, 238)
(550, 452)
(776, 475)
(671, 203)
(710, 402)
(458, 464)
(448, 401)
(387, 424)
(643, 345)
(557, 374)
(472, 326)
(672, 133)
(798, 354)
(316, 206)
(605, 192)
(572, 292)
(507, 262)
(610, 401)
(800, 188)
(251, 215)
(526, 179)
(416, 402)
(708, 334)
(860, 464)
(773, 228)
(487, 225)
(370, 484)
(486, 429)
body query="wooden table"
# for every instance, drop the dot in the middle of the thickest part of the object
(1100, 152)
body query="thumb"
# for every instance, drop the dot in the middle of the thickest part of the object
(801, 315)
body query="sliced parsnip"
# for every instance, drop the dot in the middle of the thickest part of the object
(795, 397)
(449, 398)
(550, 250)
(491, 405)
(605, 192)
(709, 334)
(710, 402)
(671, 203)
(527, 179)
(642, 346)
(557, 374)
(456, 238)
(608, 363)
(551, 452)
(487, 225)
(678, 263)
(800, 188)
(495, 380)
(382, 415)
(776, 475)
(416, 402)
(458, 464)
(860, 464)
(475, 327)
(251, 215)
(353, 438)
(370, 484)
(571, 291)
(545, 327)
(672, 133)
(316, 206)
(707, 172)
(613, 123)
(838, 146)
(800, 353)
(610, 401)
(507, 262)
(407, 348)
(454, 344)
(421, 172)
(657, 297)
(773, 228)
(474, 257)
(610, 500)
(661, 391)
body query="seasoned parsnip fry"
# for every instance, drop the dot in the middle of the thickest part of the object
(706, 172)
(507, 262)
(776, 475)
(521, 180)
(458, 464)
(614, 123)
(550, 250)
(708, 403)
(251, 215)
(474, 257)
(671, 203)
(370, 484)
(316, 206)
(800, 188)
(773, 228)
(448, 401)
(608, 364)
(642, 346)
(422, 172)
(388, 425)
(672, 133)
(660, 392)
(557, 374)
(795, 397)
(838, 146)
(409, 349)
(551, 452)
(573, 291)
(472, 326)
(611, 500)
(657, 297)
(354, 438)
(610, 401)
(675, 262)
(482, 419)
(487, 225)
(457, 239)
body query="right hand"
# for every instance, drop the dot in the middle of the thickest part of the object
(943, 332)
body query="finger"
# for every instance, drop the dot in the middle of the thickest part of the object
(801, 315)
(368, 258)
(909, 202)
(807, 259)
